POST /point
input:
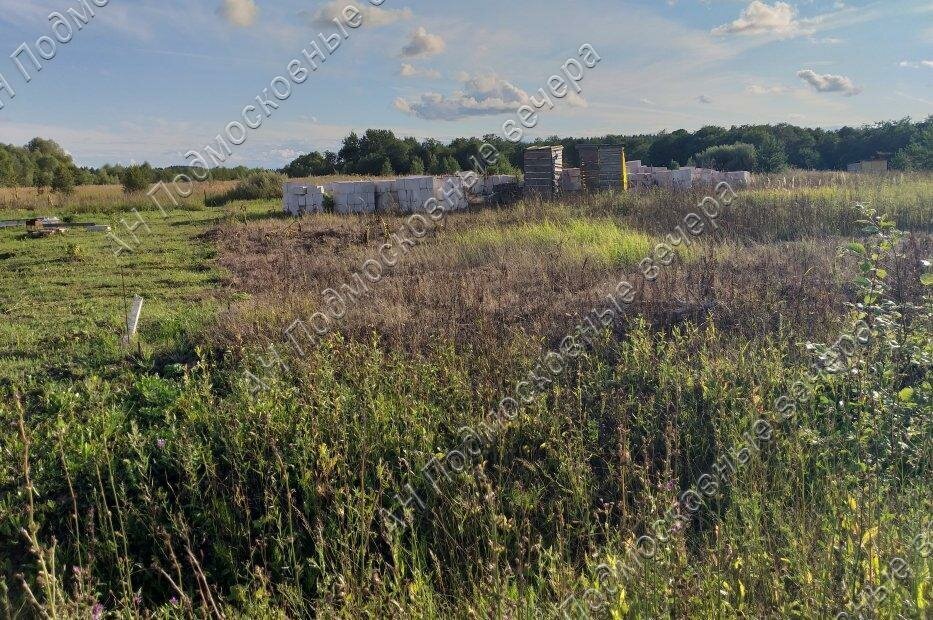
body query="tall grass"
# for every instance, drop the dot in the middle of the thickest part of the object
(602, 241)
(101, 199)
(161, 484)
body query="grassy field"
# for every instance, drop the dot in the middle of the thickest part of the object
(156, 480)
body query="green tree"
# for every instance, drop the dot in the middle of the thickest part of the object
(738, 156)
(771, 155)
(7, 170)
(46, 166)
(417, 166)
(136, 179)
(918, 155)
(808, 158)
(387, 170)
(64, 180)
(449, 165)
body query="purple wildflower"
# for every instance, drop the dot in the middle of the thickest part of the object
(97, 611)
(173, 601)
(160, 443)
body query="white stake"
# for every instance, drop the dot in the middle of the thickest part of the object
(132, 319)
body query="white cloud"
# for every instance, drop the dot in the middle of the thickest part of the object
(239, 12)
(828, 83)
(373, 16)
(762, 18)
(758, 89)
(574, 100)
(481, 95)
(423, 44)
(916, 64)
(408, 70)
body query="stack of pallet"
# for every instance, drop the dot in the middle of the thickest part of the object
(589, 166)
(543, 167)
(610, 167)
(571, 180)
(600, 166)
(300, 198)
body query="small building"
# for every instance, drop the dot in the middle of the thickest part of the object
(872, 166)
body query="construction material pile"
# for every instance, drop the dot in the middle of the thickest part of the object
(543, 168)
(684, 178)
(300, 198)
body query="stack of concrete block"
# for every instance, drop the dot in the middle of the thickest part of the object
(301, 198)
(543, 167)
(571, 180)
(682, 179)
(663, 178)
(639, 180)
(387, 197)
(451, 192)
(354, 197)
(738, 179)
(486, 185)
(413, 192)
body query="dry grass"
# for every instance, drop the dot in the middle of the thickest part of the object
(99, 199)
(498, 290)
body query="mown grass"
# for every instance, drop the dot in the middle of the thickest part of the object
(65, 297)
(164, 486)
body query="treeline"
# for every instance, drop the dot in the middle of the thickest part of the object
(380, 152)
(759, 148)
(44, 164)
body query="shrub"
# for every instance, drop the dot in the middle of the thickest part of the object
(136, 179)
(257, 186)
(738, 156)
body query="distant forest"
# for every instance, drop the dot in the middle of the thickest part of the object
(761, 148)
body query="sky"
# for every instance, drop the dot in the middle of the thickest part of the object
(150, 80)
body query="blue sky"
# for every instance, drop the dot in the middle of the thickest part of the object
(151, 80)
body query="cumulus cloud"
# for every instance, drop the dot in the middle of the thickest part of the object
(373, 16)
(481, 95)
(239, 12)
(408, 70)
(423, 44)
(828, 83)
(763, 18)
